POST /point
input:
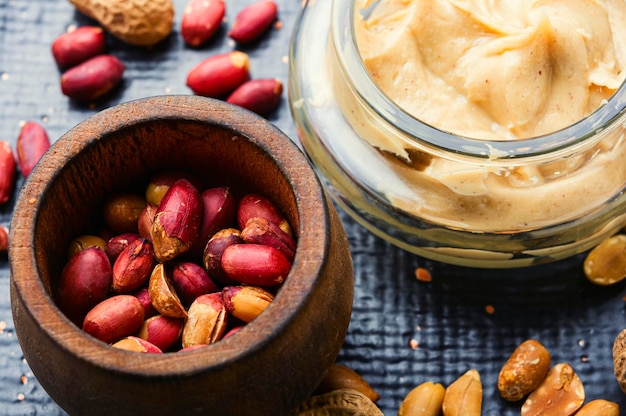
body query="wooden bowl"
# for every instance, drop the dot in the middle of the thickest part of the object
(268, 367)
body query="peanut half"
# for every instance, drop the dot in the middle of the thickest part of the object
(464, 397)
(606, 263)
(424, 400)
(560, 394)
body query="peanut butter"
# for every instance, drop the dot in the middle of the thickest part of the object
(494, 71)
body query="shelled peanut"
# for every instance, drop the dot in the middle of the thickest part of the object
(182, 266)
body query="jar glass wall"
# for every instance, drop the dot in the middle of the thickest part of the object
(442, 196)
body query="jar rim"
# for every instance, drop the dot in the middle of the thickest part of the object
(348, 56)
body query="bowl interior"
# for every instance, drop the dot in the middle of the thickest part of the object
(123, 160)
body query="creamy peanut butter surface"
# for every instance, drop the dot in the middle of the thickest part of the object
(496, 70)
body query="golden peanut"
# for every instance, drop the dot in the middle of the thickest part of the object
(599, 407)
(340, 377)
(560, 394)
(524, 370)
(464, 397)
(424, 400)
(606, 263)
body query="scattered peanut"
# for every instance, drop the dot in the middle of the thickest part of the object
(4, 240)
(261, 96)
(7, 171)
(424, 400)
(524, 371)
(32, 143)
(219, 75)
(253, 20)
(137, 22)
(92, 78)
(464, 397)
(606, 263)
(201, 19)
(560, 394)
(75, 47)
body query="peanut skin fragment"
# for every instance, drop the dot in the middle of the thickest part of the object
(424, 400)
(464, 397)
(560, 394)
(524, 370)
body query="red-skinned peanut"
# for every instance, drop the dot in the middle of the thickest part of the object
(201, 19)
(75, 47)
(255, 264)
(114, 318)
(261, 96)
(93, 78)
(85, 281)
(177, 221)
(7, 171)
(253, 20)
(32, 143)
(219, 75)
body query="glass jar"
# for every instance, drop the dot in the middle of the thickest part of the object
(469, 202)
